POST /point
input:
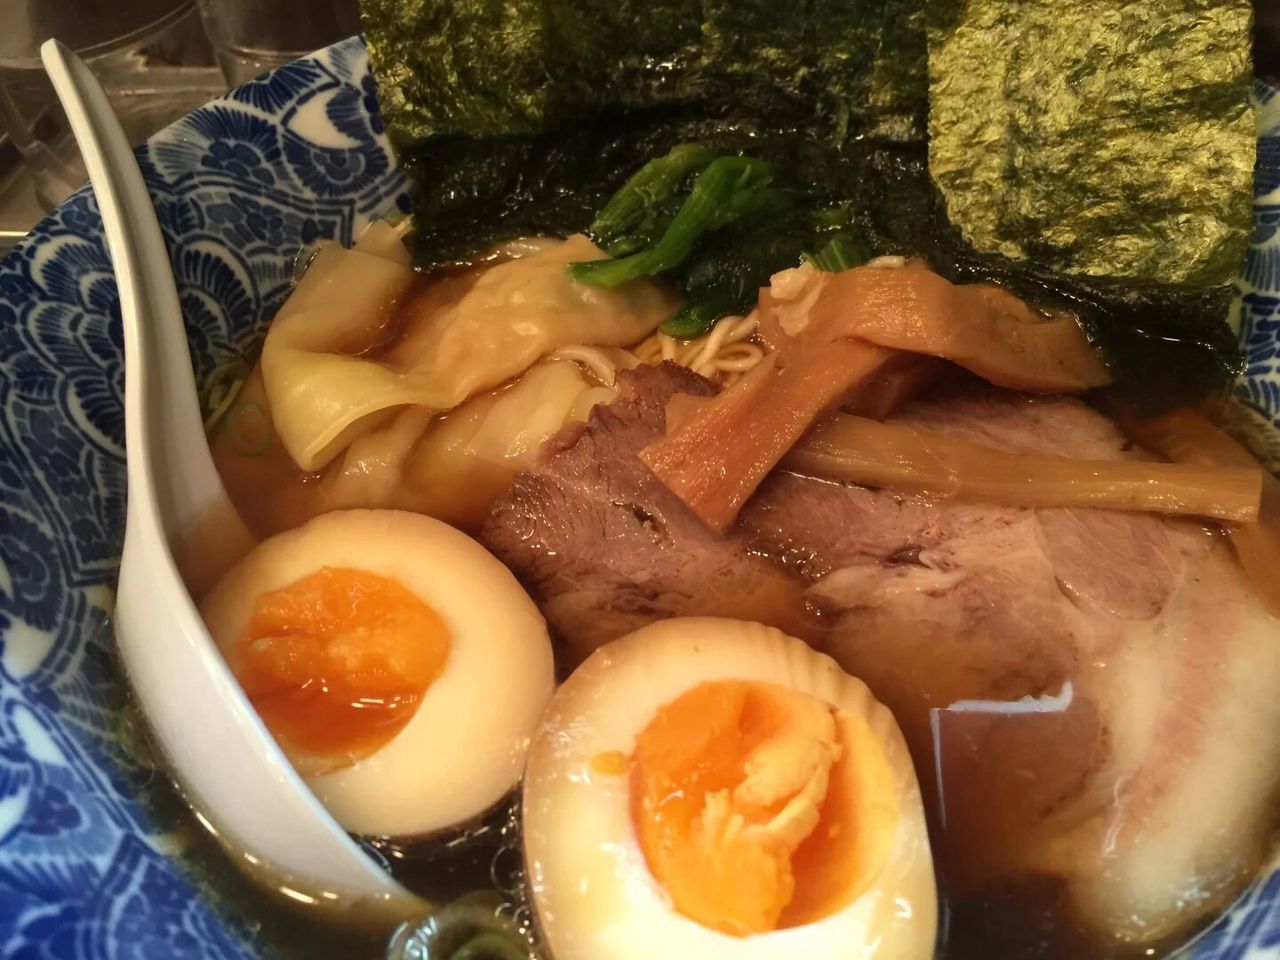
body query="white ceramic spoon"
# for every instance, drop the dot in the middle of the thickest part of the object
(233, 772)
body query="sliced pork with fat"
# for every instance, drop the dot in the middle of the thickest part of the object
(1094, 696)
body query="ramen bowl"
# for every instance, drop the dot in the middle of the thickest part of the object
(98, 856)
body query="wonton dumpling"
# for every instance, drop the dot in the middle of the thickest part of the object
(340, 308)
(323, 395)
(450, 467)
(454, 467)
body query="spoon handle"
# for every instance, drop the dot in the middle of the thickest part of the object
(169, 463)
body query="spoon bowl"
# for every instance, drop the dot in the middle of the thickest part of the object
(180, 521)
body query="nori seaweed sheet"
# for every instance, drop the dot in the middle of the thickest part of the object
(514, 115)
(518, 116)
(509, 68)
(1099, 138)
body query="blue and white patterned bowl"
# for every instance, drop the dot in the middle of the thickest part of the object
(96, 857)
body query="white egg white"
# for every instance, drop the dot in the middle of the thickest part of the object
(465, 746)
(593, 893)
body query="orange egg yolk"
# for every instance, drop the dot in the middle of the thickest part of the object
(337, 662)
(758, 807)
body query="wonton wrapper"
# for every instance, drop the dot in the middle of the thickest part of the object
(323, 394)
(450, 467)
(454, 467)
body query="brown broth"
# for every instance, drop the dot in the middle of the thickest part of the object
(1004, 913)
(988, 912)
(991, 913)
(478, 859)
(1025, 920)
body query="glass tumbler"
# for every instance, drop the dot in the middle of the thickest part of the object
(151, 56)
(251, 37)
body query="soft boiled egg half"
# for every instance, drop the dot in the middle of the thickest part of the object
(707, 788)
(397, 663)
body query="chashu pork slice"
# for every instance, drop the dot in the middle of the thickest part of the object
(1092, 698)
(605, 548)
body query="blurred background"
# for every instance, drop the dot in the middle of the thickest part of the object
(159, 59)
